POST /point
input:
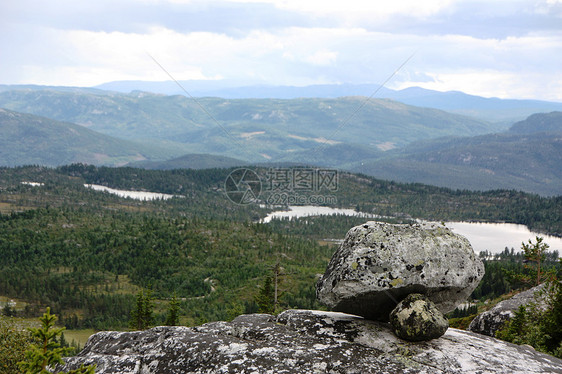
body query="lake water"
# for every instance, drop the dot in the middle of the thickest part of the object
(138, 195)
(312, 210)
(493, 237)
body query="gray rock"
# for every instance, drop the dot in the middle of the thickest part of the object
(489, 322)
(417, 319)
(302, 341)
(379, 264)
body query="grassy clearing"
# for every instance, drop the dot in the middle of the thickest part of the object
(79, 336)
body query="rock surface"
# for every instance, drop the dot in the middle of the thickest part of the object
(379, 264)
(302, 341)
(490, 321)
(417, 319)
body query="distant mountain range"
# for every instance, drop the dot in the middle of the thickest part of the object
(527, 157)
(488, 109)
(380, 137)
(255, 130)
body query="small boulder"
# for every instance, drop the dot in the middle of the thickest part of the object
(379, 264)
(417, 319)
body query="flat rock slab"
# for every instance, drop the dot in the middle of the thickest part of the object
(379, 264)
(302, 341)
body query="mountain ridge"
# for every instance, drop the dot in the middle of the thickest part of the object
(30, 139)
(386, 138)
(487, 108)
(256, 130)
(526, 157)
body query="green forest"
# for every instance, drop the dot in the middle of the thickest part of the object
(86, 254)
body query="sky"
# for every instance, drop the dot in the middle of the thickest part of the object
(506, 49)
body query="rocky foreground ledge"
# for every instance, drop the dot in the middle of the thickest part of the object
(303, 341)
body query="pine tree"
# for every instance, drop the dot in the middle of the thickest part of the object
(265, 297)
(142, 316)
(49, 352)
(552, 320)
(62, 341)
(173, 318)
(535, 254)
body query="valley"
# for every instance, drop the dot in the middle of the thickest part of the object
(86, 253)
(378, 137)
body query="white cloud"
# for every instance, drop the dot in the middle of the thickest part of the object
(323, 57)
(492, 83)
(356, 7)
(346, 48)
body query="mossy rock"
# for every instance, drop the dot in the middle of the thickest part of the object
(416, 318)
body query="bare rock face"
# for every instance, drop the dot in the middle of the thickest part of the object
(417, 319)
(492, 320)
(379, 264)
(302, 341)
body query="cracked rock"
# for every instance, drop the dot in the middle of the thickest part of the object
(302, 341)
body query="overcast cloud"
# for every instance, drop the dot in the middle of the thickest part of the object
(508, 49)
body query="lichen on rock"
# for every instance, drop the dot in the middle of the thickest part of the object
(417, 319)
(302, 341)
(379, 264)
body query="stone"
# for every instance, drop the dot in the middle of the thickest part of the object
(379, 264)
(490, 321)
(302, 341)
(417, 319)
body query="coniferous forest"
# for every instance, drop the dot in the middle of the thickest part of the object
(86, 254)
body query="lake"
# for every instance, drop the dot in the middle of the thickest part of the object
(493, 237)
(313, 210)
(138, 195)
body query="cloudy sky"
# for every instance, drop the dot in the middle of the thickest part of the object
(508, 49)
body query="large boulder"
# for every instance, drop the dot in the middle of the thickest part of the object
(379, 264)
(490, 321)
(417, 319)
(302, 341)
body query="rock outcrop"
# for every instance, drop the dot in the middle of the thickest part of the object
(417, 319)
(302, 341)
(492, 320)
(379, 264)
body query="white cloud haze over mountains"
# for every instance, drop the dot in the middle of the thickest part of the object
(508, 49)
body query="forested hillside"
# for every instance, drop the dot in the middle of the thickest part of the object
(26, 139)
(527, 157)
(87, 253)
(256, 130)
(378, 137)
